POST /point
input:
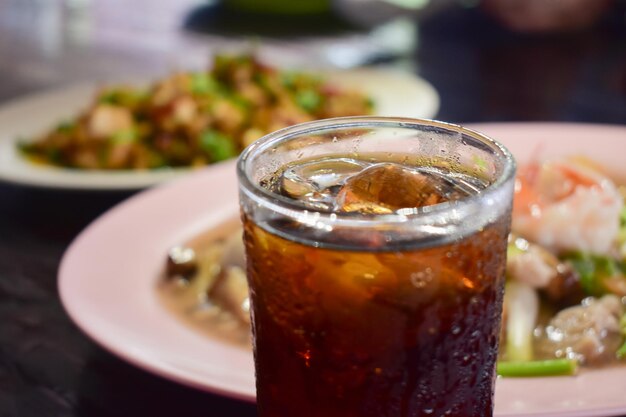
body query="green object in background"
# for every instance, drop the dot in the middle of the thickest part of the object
(125, 136)
(621, 352)
(594, 271)
(203, 83)
(621, 236)
(66, 127)
(279, 6)
(550, 367)
(309, 100)
(220, 147)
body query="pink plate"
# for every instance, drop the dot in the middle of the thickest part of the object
(108, 278)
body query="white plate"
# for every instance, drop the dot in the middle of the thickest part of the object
(108, 278)
(395, 94)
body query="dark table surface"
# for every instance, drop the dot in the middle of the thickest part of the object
(47, 366)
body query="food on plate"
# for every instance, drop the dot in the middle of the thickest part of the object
(566, 271)
(191, 118)
(204, 283)
(564, 205)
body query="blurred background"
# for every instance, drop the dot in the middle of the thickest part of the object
(489, 60)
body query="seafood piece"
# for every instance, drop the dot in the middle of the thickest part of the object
(530, 263)
(535, 266)
(589, 332)
(565, 206)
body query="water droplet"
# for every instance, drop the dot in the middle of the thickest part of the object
(422, 278)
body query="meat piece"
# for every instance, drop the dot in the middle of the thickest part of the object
(564, 289)
(530, 263)
(589, 332)
(234, 252)
(536, 266)
(185, 110)
(230, 292)
(181, 263)
(106, 120)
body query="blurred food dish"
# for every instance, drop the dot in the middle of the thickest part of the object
(130, 137)
(192, 118)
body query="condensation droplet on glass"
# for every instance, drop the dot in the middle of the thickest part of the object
(421, 278)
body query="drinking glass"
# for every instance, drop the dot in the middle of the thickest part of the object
(376, 252)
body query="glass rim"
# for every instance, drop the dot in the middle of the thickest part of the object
(290, 208)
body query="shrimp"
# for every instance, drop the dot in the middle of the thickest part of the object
(565, 206)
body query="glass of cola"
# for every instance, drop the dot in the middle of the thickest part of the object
(375, 258)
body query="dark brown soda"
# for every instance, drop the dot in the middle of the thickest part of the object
(345, 333)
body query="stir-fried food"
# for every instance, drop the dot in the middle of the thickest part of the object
(192, 118)
(566, 272)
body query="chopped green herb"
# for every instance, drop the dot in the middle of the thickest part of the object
(309, 100)
(24, 146)
(288, 79)
(621, 352)
(621, 235)
(66, 127)
(124, 136)
(217, 145)
(594, 270)
(122, 97)
(202, 83)
(54, 154)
